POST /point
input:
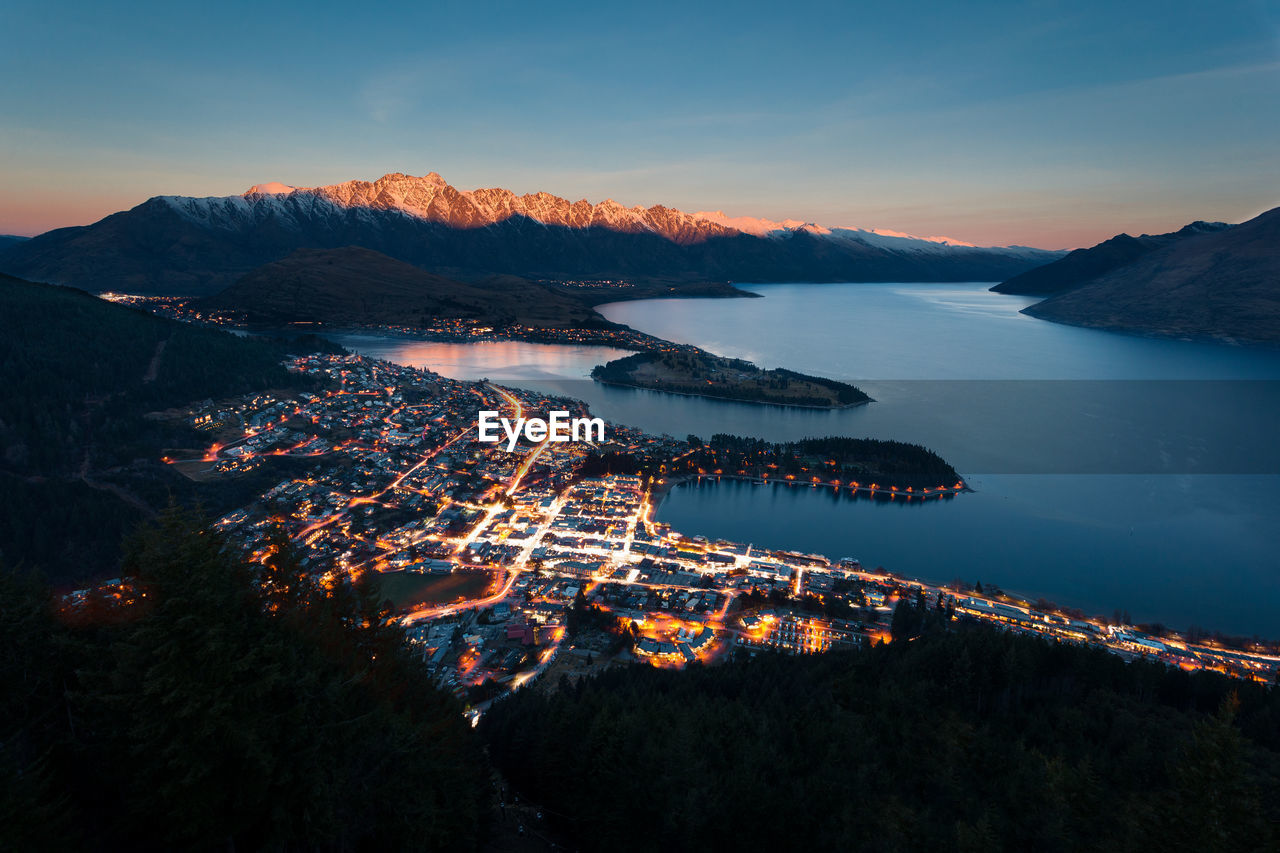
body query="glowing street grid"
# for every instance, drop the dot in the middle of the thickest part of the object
(554, 566)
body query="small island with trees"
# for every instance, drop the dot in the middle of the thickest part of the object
(696, 372)
(851, 461)
(873, 466)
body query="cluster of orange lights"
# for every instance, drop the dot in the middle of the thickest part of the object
(857, 486)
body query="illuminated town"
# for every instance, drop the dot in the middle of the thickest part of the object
(608, 427)
(512, 566)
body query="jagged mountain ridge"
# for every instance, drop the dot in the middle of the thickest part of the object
(197, 246)
(432, 199)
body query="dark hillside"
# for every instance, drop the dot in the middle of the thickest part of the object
(956, 740)
(1082, 265)
(1223, 285)
(78, 384)
(354, 286)
(213, 704)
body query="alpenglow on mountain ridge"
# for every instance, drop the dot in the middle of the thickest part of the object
(432, 198)
(197, 246)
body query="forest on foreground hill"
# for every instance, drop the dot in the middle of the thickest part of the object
(950, 737)
(80, 455)
(213, 702)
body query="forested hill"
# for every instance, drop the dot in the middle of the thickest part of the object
(79, 376)
(353, 286)
(236, 706)
(970, 740)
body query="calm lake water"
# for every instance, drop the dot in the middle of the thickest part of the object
(1110, 471)
(513, 362)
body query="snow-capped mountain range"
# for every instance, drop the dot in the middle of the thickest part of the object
(181, 244)
(433, 199)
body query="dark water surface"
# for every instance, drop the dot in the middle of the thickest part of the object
(1110, 471)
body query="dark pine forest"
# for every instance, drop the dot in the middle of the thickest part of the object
(949, 738)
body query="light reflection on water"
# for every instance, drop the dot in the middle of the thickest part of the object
(1069, 504)
(497, 360)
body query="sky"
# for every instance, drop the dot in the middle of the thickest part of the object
(1042, 123)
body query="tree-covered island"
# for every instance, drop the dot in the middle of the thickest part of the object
(696, 372)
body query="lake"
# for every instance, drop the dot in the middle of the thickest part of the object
(514, 362)
(1183, 550)
(1110, 471)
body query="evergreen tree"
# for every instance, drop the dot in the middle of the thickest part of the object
(1214, 804)
(231, 705)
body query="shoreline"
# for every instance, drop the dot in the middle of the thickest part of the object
(716, 290)
(1156, 334)
(1224, 645)
(832, 408)
(426, 336)
(661, 489)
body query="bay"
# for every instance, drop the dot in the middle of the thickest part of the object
(1110, 471)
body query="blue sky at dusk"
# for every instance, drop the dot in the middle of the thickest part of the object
(1053, 124)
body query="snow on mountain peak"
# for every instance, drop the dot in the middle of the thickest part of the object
(430, 197)
(948, 241)
(749, 224)
(270, 188)
(881, 237)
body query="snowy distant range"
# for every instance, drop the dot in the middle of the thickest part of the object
(198, 246)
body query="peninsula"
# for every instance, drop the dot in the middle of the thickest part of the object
(698, 373)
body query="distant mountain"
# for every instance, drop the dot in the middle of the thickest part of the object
(197, 246)
(355, 286)
(1222, 284)
(1082, 265)
(8, 241)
